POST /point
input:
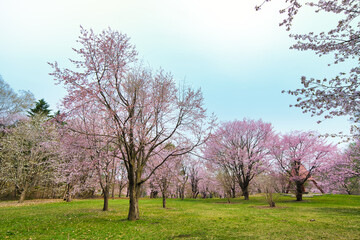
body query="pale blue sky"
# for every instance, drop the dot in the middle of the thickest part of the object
(239, 57)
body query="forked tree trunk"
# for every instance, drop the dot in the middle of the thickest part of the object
(299, 191)
(195, 194)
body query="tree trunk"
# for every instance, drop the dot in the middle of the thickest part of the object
(113, 191)
(164, 201)
(68, 193)
(233, 192)
(182, 192)
(121, 187)
(299, 192)
(245, 191)
(195, 194)
(134, 193)
(106, 199)
(22, 196)
(23, 193)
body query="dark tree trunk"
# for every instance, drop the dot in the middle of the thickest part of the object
(233, 192)
(68, 193)
(299, 191)
(121, 187)
(134, 193)
(195, 194)
(127, 191)
(106, 199)
(245, 191)
(164, 201)
(153, 194)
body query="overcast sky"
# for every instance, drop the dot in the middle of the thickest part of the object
(240, 58)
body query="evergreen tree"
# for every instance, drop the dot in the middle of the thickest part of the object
(41, 108)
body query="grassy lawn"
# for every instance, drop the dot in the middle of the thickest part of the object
(320, 217)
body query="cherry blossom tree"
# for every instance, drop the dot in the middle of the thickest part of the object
(241, 149)
(300, 155)
(103, 157)
(74, 168)
(339, 95)
(164, 178)
(208, 185)
(196, 172)
(144, 109)
(342, 175)
(182, 176)
(223, 178)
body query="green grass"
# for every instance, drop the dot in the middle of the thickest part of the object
(319, 217)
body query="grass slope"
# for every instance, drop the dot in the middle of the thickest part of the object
(320, 217)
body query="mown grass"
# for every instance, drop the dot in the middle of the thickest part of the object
(320, 217)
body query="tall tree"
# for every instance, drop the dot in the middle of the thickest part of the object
(300, 155)
(145, 110)
(241, 148)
